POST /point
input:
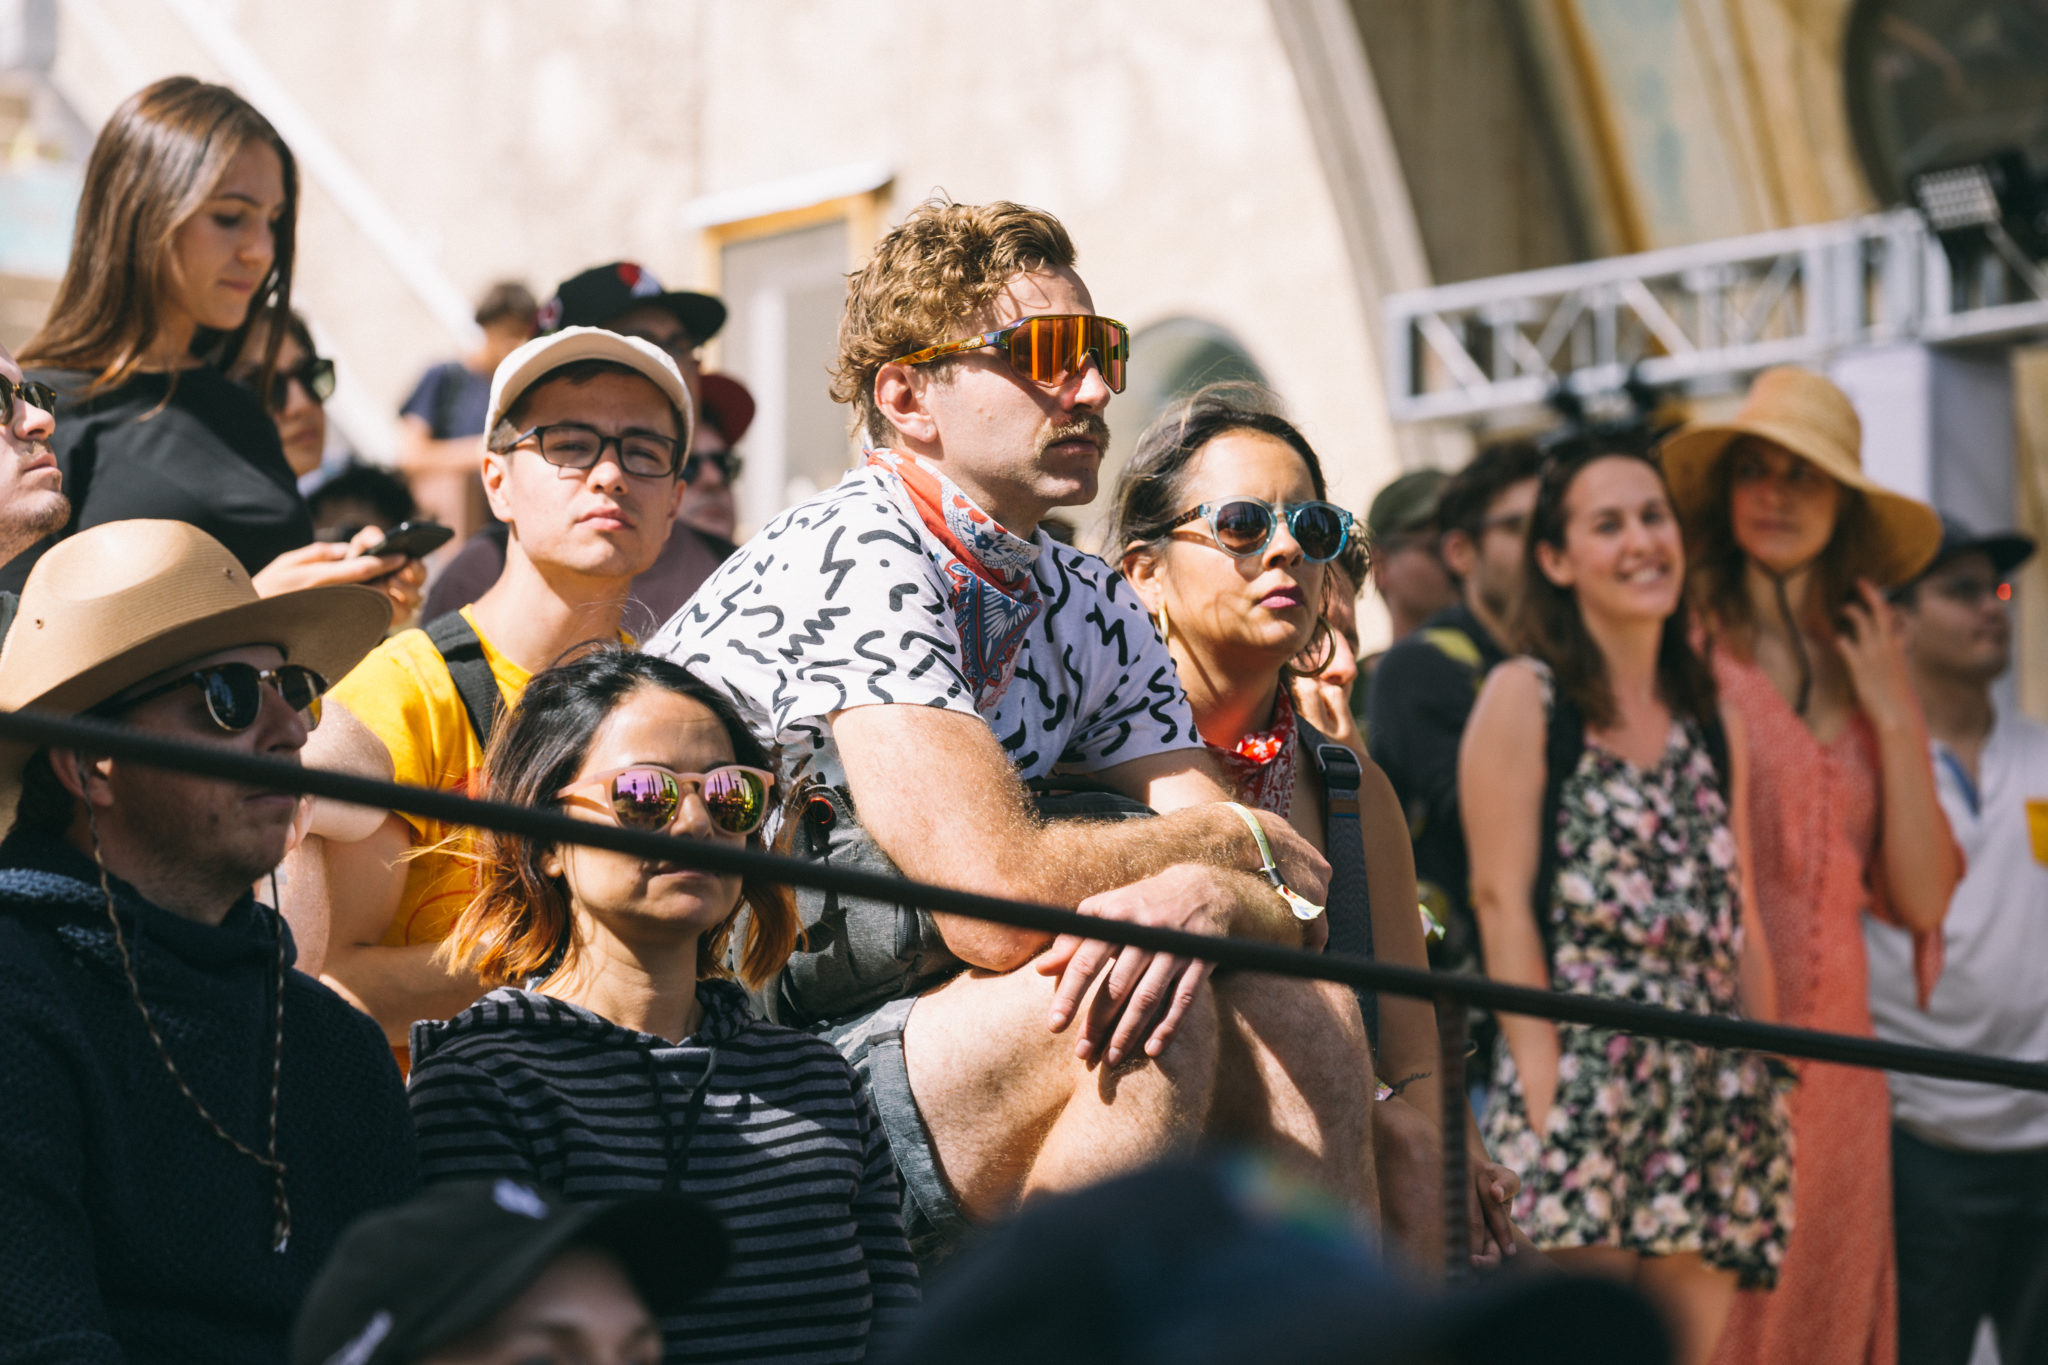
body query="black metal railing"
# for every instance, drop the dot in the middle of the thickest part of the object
(1451, 992)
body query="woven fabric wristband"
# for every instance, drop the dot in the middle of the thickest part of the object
(1304, 909)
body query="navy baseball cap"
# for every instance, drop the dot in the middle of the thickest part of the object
(405, 1281)
(601, 293)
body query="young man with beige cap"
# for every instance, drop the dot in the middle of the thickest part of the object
(584, 443)
(190, 1123)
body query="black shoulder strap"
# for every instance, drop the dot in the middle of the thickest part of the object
(1350, 908)
(463, 653)
(1565, 740)
(9, 605)
(1715, 736)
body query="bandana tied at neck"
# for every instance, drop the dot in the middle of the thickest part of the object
(1261, 765)
(987, 570)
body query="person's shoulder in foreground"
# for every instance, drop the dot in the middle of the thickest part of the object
(1229, 1259)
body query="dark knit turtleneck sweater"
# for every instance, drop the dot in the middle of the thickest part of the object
(131, 1231)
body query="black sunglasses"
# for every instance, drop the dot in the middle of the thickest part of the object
(315, 374)
(14, 394)
(234, 692)
(728, 464)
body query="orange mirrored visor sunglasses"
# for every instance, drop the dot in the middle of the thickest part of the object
(1047, 349)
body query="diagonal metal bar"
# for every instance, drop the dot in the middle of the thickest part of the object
(144, 747)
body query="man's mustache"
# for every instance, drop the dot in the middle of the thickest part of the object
(1092, 425)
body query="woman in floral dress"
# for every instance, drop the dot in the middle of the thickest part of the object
(1663, 1163)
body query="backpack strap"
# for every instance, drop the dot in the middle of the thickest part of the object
(462, 651)
(1714, 735)
(1565, 740)
(1350, 909)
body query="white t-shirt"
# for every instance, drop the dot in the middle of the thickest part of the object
(839, 602)
(1993, 993)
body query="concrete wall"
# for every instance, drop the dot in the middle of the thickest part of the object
(529, 139)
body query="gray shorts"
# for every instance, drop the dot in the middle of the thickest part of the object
(873, 1044)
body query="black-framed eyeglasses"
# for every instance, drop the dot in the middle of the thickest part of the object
(573, 445)
(1972, 590)
(1244, 526)
(727, 462)
(13, 394)
(234, 692)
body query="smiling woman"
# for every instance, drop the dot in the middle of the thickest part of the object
(185, 229)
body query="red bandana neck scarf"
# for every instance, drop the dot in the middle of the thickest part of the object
(987, 569)
(1261, 766)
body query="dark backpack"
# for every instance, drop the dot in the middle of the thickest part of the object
(1350, 907)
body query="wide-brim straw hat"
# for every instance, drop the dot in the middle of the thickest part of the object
(124, 601)
(1807, 415)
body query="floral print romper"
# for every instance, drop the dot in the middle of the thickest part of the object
(1660, 1148)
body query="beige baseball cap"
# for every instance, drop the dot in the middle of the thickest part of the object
(543, 355)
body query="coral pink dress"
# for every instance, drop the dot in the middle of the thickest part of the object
(1813, 828)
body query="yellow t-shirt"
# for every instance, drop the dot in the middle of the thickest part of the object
(403, 694)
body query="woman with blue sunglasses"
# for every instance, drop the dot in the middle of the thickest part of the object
(1225, 534)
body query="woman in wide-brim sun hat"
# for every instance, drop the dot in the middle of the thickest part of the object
(1791, 546)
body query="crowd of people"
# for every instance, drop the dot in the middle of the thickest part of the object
(1701, 719)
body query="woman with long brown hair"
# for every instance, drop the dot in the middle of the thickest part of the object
(1601, 785)
(1226, 538)
(184, 234)
(1792, 545)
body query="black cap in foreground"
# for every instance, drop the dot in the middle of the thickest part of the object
(601, 293)
(407, 1280)
(1221, 1262)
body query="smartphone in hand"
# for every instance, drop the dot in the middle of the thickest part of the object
(413, 539)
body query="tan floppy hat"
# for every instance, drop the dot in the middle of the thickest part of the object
(542, 356)
(123, 601)
(1807, 415)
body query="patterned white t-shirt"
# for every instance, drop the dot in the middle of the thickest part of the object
(840, 602)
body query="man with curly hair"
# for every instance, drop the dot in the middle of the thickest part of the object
(919, 650)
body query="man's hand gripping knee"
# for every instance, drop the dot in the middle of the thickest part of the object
(1145, 995)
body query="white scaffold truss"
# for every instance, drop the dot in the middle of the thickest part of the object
(1695, 317)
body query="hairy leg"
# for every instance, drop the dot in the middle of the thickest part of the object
(1294, 1077)
(1013, 1112)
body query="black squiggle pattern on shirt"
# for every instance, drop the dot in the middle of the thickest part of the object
(856, 613)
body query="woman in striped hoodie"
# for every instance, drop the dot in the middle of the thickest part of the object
(617, 1055)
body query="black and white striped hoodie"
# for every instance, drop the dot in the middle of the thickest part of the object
(768, 1125)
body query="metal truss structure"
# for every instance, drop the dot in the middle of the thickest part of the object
(1698, 317)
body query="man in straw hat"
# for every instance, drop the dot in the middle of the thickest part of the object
(587, 431)
(1790, 546)
(190, 1123)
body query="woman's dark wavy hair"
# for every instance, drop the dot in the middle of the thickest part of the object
(1547, 620)
(1152, 490)
(519, 920)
